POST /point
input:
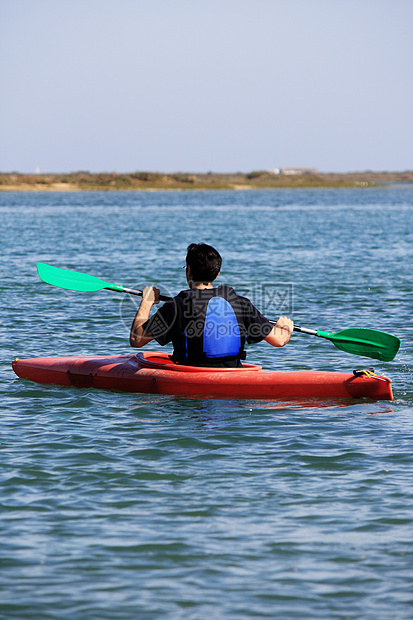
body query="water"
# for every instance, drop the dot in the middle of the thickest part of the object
(139, 506)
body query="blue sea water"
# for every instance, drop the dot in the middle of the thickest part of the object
(121, 505)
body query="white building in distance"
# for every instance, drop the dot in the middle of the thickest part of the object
(298, 171)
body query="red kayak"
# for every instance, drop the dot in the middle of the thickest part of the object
(154, 373)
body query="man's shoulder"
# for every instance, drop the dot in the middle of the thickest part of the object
(229, 293)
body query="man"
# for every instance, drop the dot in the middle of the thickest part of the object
(208, 326)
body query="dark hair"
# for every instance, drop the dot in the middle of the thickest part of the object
(205, 262)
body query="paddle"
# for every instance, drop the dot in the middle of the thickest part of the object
(358, 341)
(76, 281)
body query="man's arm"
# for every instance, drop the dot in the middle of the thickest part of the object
(138, 336)
(281, 332)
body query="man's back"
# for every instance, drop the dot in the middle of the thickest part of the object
(208, 327)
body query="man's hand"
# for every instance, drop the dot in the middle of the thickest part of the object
(138, 337)
(150, 295)
(281, 332)
(286, 324)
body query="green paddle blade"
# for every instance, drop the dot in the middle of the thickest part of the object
(367, 342)
(73, 280)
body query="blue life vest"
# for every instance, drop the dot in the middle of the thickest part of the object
(222, 337)
(214, 332)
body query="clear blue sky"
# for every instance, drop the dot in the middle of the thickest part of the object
(206, 85)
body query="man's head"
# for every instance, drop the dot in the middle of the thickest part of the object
(204, 262)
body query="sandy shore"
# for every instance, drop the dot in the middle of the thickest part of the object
(150, 181)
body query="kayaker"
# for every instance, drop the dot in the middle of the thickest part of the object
(207, 326)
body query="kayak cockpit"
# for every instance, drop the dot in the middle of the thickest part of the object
(163, 361)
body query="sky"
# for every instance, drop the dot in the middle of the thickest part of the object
(206, 85)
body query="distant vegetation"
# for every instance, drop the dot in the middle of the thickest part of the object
(81, 181)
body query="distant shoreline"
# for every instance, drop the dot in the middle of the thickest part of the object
(153, 181)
